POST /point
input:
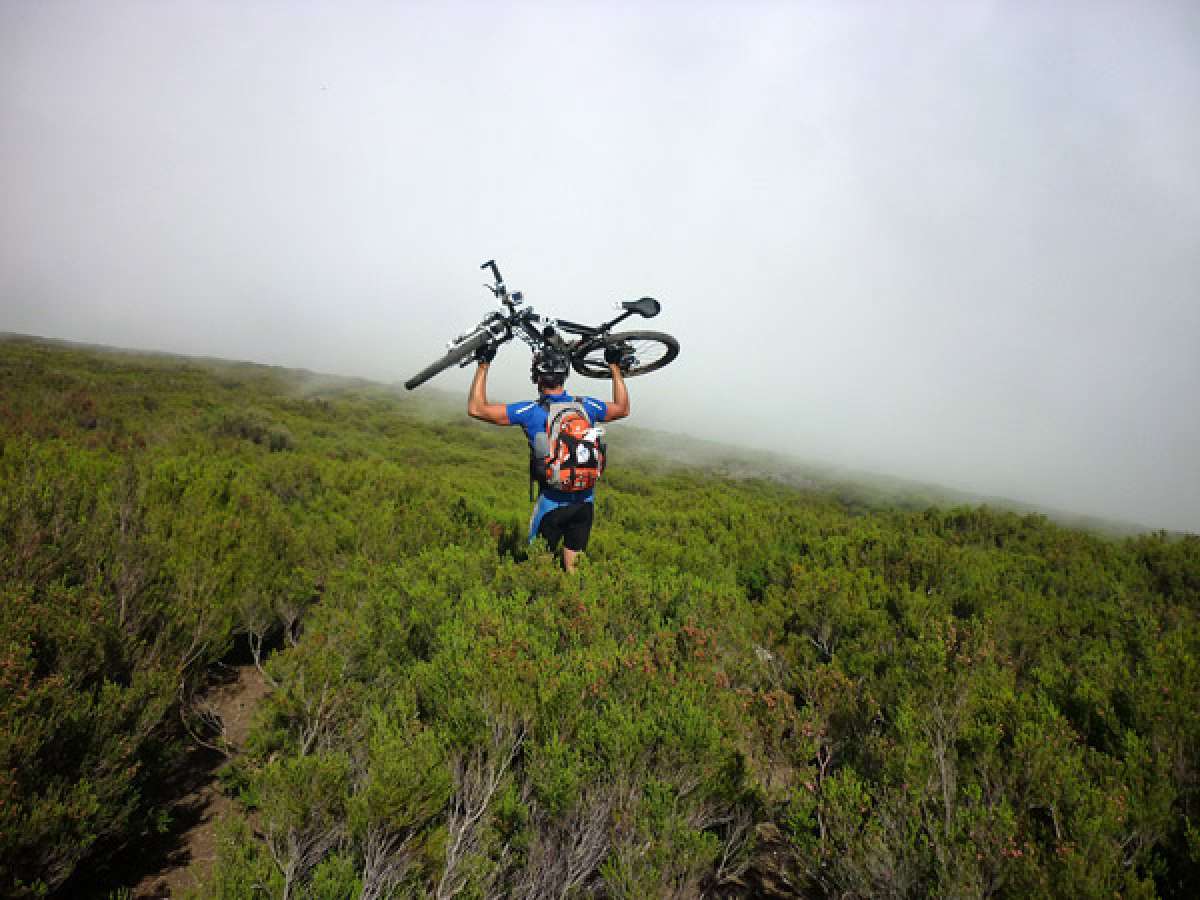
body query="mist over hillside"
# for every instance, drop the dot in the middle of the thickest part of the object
(856, 488)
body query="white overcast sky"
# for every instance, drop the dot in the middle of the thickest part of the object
(955, 241)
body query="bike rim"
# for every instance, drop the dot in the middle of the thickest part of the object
(649, 353)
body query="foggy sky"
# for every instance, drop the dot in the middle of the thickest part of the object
(952, 241)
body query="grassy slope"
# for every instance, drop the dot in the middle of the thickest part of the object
(749, 685)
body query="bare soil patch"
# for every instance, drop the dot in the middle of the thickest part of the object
(202, 804)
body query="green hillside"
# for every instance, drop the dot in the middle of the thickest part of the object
(749, 689)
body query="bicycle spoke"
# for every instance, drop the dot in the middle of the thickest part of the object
(647, 352)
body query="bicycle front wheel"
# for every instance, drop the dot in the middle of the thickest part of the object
(650, 351)
(456, 355)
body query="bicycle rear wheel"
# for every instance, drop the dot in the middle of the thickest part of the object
(651, 350)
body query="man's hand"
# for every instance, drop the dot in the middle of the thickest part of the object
(618, 408)
(486, 353)
(616, 355)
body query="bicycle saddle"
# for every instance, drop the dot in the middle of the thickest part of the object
(647, 307)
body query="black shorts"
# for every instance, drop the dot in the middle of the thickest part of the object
(569, 525)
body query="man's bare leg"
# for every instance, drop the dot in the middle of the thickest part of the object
(569, 559)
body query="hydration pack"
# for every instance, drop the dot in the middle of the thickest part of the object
(570, 454)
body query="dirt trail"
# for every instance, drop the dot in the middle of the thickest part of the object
(204, 804)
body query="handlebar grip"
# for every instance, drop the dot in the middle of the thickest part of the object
(491, 264)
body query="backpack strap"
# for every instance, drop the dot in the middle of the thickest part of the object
(544, 404)
(534, 478)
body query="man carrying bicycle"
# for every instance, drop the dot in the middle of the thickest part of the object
(559, 516)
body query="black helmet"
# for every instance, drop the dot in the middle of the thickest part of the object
(550, 365)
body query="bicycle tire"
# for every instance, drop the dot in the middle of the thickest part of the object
(455, 355)
(654, 350)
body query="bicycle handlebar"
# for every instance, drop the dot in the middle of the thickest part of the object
(491, 264)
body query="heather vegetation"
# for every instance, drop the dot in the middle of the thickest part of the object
(747, 690)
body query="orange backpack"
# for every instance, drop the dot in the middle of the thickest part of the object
(569, 456)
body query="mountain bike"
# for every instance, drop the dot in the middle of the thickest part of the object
(641, 351)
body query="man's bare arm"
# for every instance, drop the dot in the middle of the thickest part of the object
(477, 403)
(619, 407)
